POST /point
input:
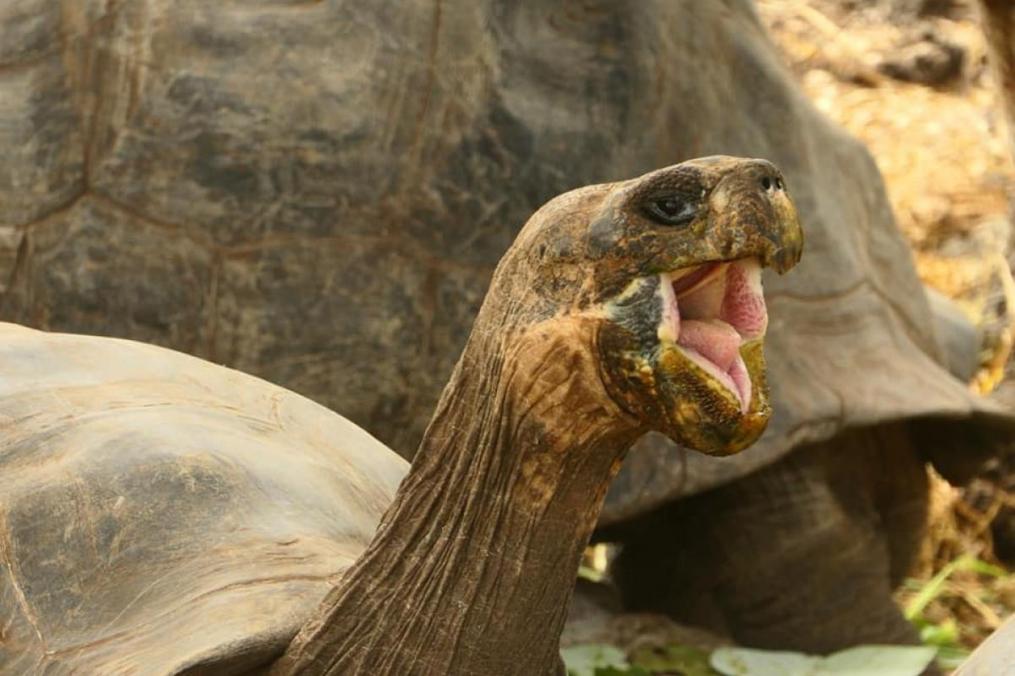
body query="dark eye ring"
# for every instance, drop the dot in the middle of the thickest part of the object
(671, 210)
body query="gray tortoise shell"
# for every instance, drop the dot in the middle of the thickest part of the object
(162, 513)
(317, 193)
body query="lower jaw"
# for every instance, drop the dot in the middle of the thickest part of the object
(706, 414)
(736, 379)
(737, 383)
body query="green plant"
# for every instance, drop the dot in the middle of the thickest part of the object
(945, 634)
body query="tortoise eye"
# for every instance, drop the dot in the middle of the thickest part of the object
(671, 210)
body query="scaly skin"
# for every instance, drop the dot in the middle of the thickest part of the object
(472, 568)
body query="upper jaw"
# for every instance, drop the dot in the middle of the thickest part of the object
(709, 312)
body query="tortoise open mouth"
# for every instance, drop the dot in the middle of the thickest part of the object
(709, 312)
(685, 348)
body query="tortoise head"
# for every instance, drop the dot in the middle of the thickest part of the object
(667, 268)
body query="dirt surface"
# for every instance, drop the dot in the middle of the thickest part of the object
(911, 79)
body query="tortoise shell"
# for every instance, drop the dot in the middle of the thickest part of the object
(162, 513)
(317, 193)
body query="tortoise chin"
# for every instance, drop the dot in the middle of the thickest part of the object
(688, 348)
(701, 412)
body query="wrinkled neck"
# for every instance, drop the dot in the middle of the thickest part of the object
(472, 568)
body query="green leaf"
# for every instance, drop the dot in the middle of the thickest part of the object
(951, 657)
(933, 588)
(751, 662)
(879, 660)
(617, 671)
(674, 658)
(588, 658)
(944, 634)
(984, 568)
(870, 660)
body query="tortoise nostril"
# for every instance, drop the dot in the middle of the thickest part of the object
(771, 183)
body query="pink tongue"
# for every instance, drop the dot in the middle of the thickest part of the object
(715, 340)
(743, 305)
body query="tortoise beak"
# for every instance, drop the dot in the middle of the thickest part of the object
(757, 216)
(788, 237)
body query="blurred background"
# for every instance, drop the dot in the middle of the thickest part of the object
(912, 80)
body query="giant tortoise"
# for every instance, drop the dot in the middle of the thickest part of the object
(317, 193)
(166, 515)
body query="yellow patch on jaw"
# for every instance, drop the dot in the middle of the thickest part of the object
(707, 412)
(709, 393)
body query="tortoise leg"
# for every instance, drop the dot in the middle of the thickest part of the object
(802, 555)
